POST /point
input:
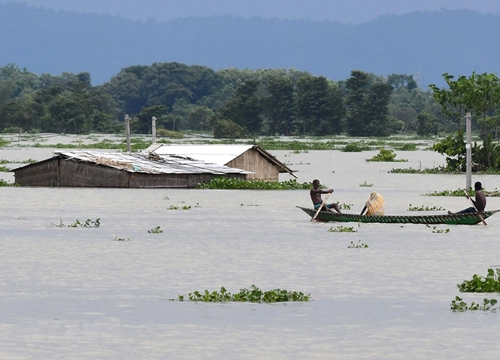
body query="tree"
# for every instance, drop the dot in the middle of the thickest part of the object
(224, 128)
(478, 94)
(377, 109)
(367, 105)
(245, 109)
(319, 105)
(356, 86)
(142, 122)
(199, 117)
(426, 124)
(279, 105)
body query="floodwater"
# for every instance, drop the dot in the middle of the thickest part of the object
(76, 293)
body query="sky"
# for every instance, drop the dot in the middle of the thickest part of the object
(344, 11)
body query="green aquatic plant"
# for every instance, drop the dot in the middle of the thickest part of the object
(7, 183)
(459, 305)
(358, 245)
(424, 208)
(385, 155)
(88, 223)
(436, 230)
(254, 294)
(478, 283)
(345, 206)
(341, 228)
(405, 146)
(356, 147)
(184, 207)
(365, 184)
(4, 169)
(155, 230)
(458, 192)
(237, 184)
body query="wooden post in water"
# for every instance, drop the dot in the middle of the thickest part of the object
(468, 177)
(127, 132)
(153, 131)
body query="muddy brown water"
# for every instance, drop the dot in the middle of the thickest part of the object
(76, 293)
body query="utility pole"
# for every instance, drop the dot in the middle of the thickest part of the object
(468, 177)
(153, 127)
(127, 132)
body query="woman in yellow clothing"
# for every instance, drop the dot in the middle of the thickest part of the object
(374, 205)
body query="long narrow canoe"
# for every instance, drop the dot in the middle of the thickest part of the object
(454, 219)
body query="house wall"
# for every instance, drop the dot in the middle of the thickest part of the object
(252, 160)
(45, 173)
(81, 174)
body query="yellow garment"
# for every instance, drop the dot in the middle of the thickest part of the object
(375, 204)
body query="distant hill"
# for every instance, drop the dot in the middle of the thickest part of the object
(423, 44)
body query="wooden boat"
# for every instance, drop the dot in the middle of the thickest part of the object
(454, 219)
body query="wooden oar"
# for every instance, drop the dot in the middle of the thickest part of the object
(321, 207)
(472, 202)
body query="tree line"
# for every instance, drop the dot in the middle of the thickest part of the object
(228, 103)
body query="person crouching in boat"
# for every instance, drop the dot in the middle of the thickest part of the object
(316, 197)
(374, 205)
(479, 202)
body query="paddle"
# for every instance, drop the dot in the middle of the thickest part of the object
(472, 202)
(321, 207)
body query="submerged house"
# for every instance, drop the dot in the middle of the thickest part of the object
(261, 164)
(121, 170)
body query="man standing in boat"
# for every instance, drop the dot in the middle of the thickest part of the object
(479, 202)
(316, 197)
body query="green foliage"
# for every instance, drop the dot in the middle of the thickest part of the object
(459, 305)
(297, 145)
(478, 283)
(356, 147)
(458, 192)
(367, 103)
(358, 245)
(405, 147)
(454, 149)
(7, 183)
(3, 143)
(345, 206)
(155, 230)
(169, 134)
(4, 169)
(184, 207)
(341, 228)
(88, 223)
(410, 170)
(365, 184)
(426, 124)
(424, 208)
(319, 106)
(237, 184)
(224, 128)
(254, 294)
(436, 230)
(385, 155)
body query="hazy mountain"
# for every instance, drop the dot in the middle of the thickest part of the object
(426, 44)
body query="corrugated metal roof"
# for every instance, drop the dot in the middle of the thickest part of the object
(150, 163)
(217, 154)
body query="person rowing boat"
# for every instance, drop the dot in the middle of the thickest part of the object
(479, 204)
(316, 197)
